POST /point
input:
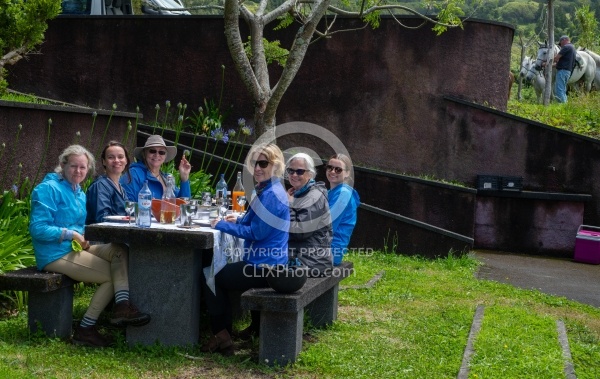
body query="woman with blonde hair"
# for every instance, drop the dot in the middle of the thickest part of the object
(57, 224)
(264, 229)
(343, 203)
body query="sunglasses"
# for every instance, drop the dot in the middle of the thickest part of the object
(337, 170)
(154, 151)
(298, 172)
(261, 164)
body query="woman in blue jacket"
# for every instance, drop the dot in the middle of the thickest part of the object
(150, 158)
(264, 229)
(343, 203)
(56, 225)
(106, 196)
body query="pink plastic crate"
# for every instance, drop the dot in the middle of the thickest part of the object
(587, 244)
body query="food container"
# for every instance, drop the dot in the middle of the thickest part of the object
(587, 244)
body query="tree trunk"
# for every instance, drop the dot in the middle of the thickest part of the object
(523, 47)
(255, 74)
(548, 88)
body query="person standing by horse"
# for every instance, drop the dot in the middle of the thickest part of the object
(565, 61)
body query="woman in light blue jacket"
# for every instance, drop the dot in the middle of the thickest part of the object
(343, 203)
(56, 225)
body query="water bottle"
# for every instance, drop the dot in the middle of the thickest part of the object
(143, 219)
(221, 196)
(221, 190)
(168, 206)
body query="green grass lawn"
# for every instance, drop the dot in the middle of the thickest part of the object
(413, 323)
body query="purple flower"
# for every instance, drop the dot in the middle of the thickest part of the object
(220, 135)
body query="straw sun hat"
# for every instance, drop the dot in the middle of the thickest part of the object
(155, 141)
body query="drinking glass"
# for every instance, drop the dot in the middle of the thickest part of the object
(206, 199)
(241, 200)
(192, 208)
(130, 209)
(223, 207)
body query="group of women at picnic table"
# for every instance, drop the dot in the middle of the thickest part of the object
(306, 222)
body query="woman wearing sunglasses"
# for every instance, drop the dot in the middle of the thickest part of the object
(310, 221)
(343, 202)
(264, 229)
(150, 158)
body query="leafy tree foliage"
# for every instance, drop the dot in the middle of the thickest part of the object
(22, 27)
(519, 12)
(588, 26)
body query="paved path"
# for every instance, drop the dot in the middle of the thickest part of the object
(555, 276)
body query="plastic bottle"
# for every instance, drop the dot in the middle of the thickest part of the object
(221, 195)
(168, 206)
(143, 219)
(238, 190)
(221, 190)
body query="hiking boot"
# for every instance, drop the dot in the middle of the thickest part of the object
(219, 343)
(89, 336)
(125, 313)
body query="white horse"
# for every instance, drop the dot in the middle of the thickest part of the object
(527, 62)
(534, 76)
(596, 59)
(585, 72)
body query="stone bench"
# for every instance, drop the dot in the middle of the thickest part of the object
(50, 299)
(282, 315)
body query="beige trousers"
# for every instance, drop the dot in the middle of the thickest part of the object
(105, 264)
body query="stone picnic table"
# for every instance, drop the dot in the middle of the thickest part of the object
(164, 277)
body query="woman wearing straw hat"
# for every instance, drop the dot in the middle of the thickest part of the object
(150, 158)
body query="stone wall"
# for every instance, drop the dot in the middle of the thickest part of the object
(401, 100)
(32, 144)
(380, 91)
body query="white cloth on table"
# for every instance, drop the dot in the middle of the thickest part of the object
(227, 249)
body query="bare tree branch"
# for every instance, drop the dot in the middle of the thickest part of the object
(13, 56)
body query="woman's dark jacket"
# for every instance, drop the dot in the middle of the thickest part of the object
(310, 229)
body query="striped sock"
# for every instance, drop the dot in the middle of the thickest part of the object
(121, 296)
(87, 322)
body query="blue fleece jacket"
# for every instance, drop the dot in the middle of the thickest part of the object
(343, 203)
(139, 173)
(264, 227)
(55, 209)
(104, 199)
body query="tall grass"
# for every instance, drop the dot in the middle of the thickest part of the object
(581, 114)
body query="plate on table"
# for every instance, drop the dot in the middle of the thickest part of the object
(202, 222)
(188, 226)
(118, 218)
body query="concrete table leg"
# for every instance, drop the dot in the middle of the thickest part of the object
(166, 284)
